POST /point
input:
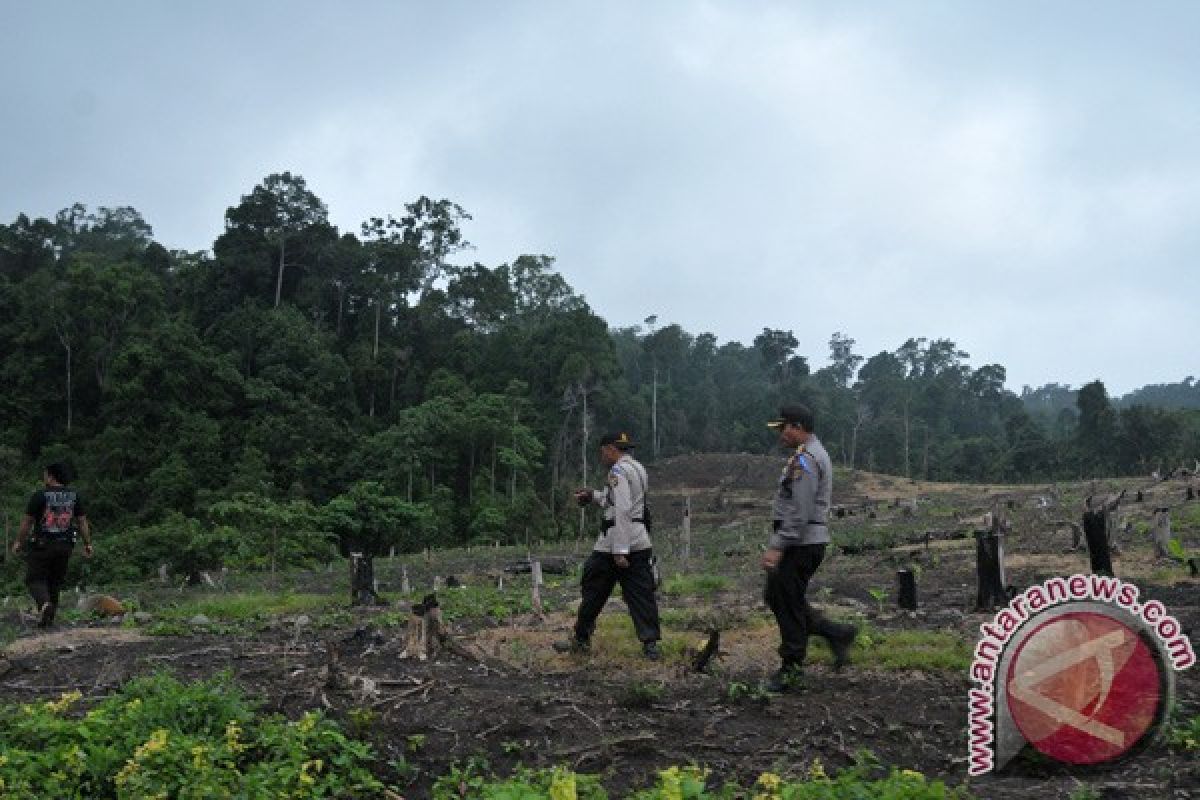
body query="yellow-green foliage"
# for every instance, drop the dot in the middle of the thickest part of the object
(866, 781)
(158, 737)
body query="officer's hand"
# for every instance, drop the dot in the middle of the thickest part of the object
(770, 559)
(87, 551)
(621, 561)
(16, 547)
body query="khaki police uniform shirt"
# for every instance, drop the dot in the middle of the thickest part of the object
(801, 508)
(623, 501)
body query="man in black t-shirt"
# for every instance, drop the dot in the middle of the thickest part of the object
(54, 516)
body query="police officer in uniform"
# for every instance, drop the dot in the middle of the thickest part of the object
(622, 553)
(54, 516)
(797, 547)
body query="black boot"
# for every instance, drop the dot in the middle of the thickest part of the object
(840, 644)
(46, 617)
(788, 678)
(650, 651)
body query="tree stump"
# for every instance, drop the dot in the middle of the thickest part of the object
(1076, 536)
(1161, 533)
(687, 528)
(536, 589)
(906, 593)
(362, 580)
(989, 568)
(1095, 532)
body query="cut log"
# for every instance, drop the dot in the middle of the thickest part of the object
(550, 566)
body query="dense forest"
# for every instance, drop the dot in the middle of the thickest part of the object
(315, 386)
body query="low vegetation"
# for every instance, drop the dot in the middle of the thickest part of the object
(158, 737)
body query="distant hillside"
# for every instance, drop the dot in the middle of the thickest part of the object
(1052, 399)
(1185, 394)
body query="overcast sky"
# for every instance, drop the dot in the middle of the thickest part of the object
(1020, 177)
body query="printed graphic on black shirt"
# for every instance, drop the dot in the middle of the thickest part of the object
(55, 512)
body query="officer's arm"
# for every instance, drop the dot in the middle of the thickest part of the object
(622, 501)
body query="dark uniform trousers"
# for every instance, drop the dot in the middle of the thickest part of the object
(786, 590)
(600, 575)
(45, 570)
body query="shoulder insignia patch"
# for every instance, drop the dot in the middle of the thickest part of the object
(614, 478)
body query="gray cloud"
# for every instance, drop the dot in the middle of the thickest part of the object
(1023, 180)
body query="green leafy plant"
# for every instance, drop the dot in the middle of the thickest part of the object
(740, 692)
(880, 594)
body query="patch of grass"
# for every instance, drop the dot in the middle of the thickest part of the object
(1186, 735)
(173, 628)
(900, 650)
(642, 694)
(246, 606)
(1186, 517)
(615, 639)
(704, 584)
(488, 601)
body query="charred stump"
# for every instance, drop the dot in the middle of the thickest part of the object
(906, 591)
(989, 570)
(1095, 531)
